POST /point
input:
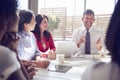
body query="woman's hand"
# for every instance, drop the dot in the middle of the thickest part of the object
(51, 55)
(41, 63)
(30, 67)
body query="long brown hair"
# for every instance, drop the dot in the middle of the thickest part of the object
(37, 29)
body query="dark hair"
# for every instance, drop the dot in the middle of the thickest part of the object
(25, 17)
(37, 30)
(8, 8)
(88, 11)
(46, 17)
(113, 35)
(8, 20)
(7, 15)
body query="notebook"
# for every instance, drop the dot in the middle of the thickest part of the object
(59, 68)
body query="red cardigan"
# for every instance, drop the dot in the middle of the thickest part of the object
(49, 44)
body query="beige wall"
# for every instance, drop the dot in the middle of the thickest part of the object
(33, 5)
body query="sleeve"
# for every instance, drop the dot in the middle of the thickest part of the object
(37, 52)
(9, 62)
(52, 45)
(20, 48)
(75, 35)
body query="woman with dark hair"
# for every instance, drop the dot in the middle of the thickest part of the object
(111, 70)
(10, 67)
(44, 38)
(27, 48)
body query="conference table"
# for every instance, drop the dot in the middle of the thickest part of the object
(71, 69)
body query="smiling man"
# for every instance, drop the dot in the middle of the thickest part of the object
(88, 38)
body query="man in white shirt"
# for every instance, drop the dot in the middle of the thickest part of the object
(96, 35)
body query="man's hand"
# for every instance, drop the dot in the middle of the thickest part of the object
(99, 44)
(81, 40)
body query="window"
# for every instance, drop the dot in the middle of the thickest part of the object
(23, 4)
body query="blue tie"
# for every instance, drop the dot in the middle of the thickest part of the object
(87, 43)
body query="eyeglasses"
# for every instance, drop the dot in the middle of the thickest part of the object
(10, 40)
(9, 37)
(12, 35)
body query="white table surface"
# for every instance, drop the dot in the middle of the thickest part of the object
(44, 74)
(78, 67)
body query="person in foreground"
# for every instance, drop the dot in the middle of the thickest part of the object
(10, 68)
(111, 70)
(27, 48)
(44, 38)
(88, 38)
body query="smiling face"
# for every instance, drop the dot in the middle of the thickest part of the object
(30, 26)
(32, 23)
(44, 24)
(88, 20)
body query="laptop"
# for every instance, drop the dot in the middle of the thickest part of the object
(65, 47)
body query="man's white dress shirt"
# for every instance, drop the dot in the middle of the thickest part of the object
(95, 34)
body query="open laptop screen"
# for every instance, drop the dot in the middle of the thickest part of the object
(65, 47)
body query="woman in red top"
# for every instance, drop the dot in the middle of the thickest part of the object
(44, 38)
